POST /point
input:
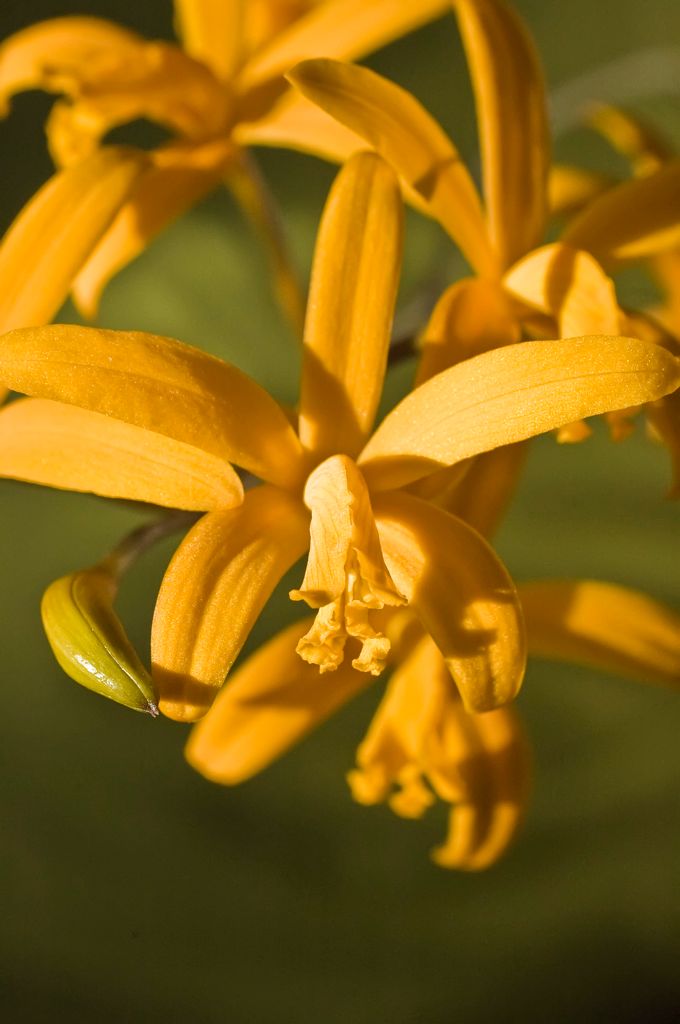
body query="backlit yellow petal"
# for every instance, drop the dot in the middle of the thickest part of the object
(345, 29)
(638, 218)
(268, 704)
(215, 587)
(346, 577)
(572, 188)
(402, 131)
(57, 230)
(350, 308)
(461, 592)
(159, 384)
(512, 394)
(604, 625)
(62, 446)
(212, 32)
(179, 177)
(511, 112)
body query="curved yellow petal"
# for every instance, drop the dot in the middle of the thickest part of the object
(512, 394)
(159, 384)
(345, 29)
(512, 117)
(269, 703)
(570, 285)
(484, 493)
(607, 626)
(355, 276)
(57, 445)
(571, 188)
(401, 130)
(212, 32)
(34, 57)
(178, 178)
(637, 219)
(213, 591)
(461, 592)
(472, 316)
(493, 759)
(56, 231)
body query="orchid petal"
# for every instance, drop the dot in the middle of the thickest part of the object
(402, 131)
(211, 31)
(269, 703)
(462, 593)
(215, 587)
(62, 446)
(509, 395)
(627, 133)
(572, 188)
(161, 385)
(294, 123)
(350, 308)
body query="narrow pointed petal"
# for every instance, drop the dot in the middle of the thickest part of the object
(572, 188)
(215, 587)
(607, 626)
(353, 290)
(212, 32)
(178, 179)
(513, 128)
(569, 285)
(462, 594)
(89, 641)
(344, 29)
(493, 759)
(664, 418)
(161, 385)
(472, 316)
(269, 704)
(402, 131)
(57, 445)
(638, 141)
(55, 233)
(635, 220)
(294, 123)
(512, 394)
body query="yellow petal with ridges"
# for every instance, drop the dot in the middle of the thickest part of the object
(512, 394)
(353, 290)
(392, 121)
(512, 117)
(269, 703)
(57, 445)
(462, 594)
(212, 32)
(213, 591)
(52, 237)
(635, 220)
(161, 385)
(604, 625)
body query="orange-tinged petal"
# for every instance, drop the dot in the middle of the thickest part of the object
(571, 286)
(607, 626)
(179, 177)
(462, 593)
(57, 230)
(160, 384)
(512, 394)
(513, 129)
(59, 445)
(212, 32)
(572, 188)
(345, 29)
(213, 591)
(269, 703)
(483, 495)
(472, 316)
(353, 290)
(637, 219)
(402, 131)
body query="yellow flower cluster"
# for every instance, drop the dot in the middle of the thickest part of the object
(394, 520)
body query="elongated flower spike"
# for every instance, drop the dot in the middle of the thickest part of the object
(217, 93)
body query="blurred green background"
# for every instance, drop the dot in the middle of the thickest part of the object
(135, 891)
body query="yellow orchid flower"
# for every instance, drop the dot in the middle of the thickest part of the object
(127, 414)
(521, 289)
(217, 93)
